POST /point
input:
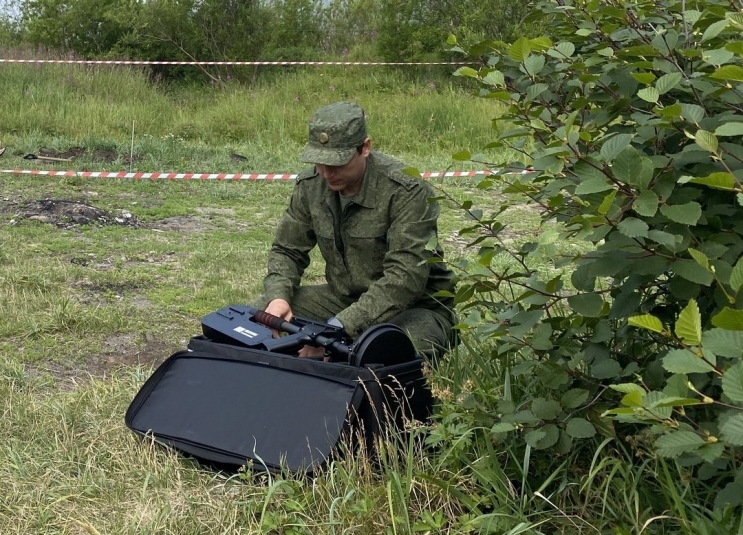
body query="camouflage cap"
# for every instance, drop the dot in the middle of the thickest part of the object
(335, 132)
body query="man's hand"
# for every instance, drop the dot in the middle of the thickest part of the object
(311, 351)
(282, 309)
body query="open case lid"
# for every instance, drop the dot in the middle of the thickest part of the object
(232, 411)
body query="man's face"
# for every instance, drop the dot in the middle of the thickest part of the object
(347, 178)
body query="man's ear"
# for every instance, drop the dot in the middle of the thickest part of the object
(367, 148)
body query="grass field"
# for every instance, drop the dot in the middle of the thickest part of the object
(102, 279)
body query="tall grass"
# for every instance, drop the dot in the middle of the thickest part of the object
(60, 106)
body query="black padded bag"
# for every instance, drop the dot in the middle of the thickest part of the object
(230, 405)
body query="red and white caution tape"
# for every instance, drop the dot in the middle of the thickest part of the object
(154, 176)
(205, 176)
(229, 63)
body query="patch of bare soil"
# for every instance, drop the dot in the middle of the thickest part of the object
(182, 223)
(121, 352)
(68, 213)
(215, 211)
(73, 152)
(101, 155)
(103, 288)
(8, 205)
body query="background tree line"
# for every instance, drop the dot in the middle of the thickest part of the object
(225, 30)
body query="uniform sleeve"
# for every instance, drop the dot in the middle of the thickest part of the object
(290, 251)
(413, 222)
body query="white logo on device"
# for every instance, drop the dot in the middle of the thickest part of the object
(246, 332)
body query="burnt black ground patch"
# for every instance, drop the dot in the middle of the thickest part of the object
(70, 213)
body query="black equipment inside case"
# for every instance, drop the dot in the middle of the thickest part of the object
(237, 395)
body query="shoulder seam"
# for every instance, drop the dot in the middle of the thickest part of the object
(307, 173)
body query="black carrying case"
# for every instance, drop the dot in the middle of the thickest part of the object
(230, 405)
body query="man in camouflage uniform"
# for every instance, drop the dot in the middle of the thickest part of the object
(372, 224)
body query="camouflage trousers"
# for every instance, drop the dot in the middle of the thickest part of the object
(430, 330)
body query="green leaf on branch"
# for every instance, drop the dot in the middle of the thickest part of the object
(646, 204)
(732, 383)
(677, 386)
(735, 18)
(728, 72)
(545, 409)
(502, 427)
(732, 430)
(646, 78)
(580, 428)
(533, 91)
(466, 71)
(533, 437)
(700, 257)
(686, 214)
(552, 375)
(664, 238)
(670, 112)
(731, 495)
(667, 82)
(684, 361)
(709, 453)
(594, 185)
(574, 398)
(630, 167)
(692, 113)
(634, 398)
(623, 411)
(550, 438)
(626, 388)
(689, 324)
(614, 145)
(519, 50)
(540, 44)
(534, 64)
(718, 180)
(626, 164)
(606, 204)
(714, 29)
(646, 321)
(563, 50)
(729, 319)
(649, 94)
(676, 402)
(588, 304)
(605, 369)
(706, 140)
(736, 276)
(677, 443)
(633, 227)
(691, 271)
(723, 342)
(729, 129)
(495, 78)
(717, 57)
(462, 156)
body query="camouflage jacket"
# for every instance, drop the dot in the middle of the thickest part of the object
(374, 250)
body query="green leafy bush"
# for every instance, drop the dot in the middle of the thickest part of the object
(627, 310)
(414, 30)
